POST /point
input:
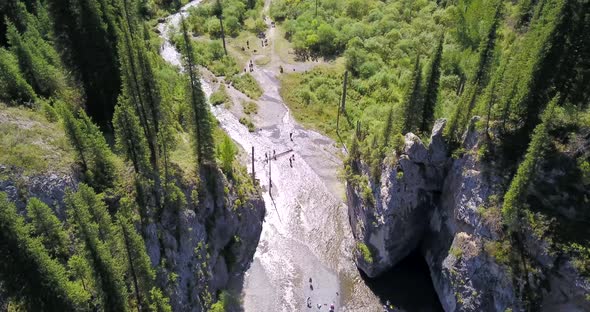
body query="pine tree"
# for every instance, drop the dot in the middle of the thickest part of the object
(431, 92)
(102, 171)
(49, 230)
(200, 109)
(412, 106)
(142, 91)
(75, 135)
(28, 272)
(129, 136)
(38, 60)
(13, 86)
(105, 267)
(139, 265)
(218, 11)
(388, 128)
(91, 148)
(515, 197)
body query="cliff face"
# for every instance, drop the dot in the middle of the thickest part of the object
(206, 245)
(441, 205)
(209, 244)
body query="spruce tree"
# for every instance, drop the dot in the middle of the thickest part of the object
(218, 11)
(13, 86)
(91, 148)
(105, 267)
(412, 105)
(388, 128)
(431, 91)
(198, 103)
(129, 136)
(515, 198)
(138, 263)
(102, 171)
(49, 230)
(27, 270)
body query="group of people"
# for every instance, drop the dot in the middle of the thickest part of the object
(250, 66)
(319, 305)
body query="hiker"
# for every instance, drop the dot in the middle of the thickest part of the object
(309, 302)
(248, 44)
(291, 136)
(332, 307)
(274, 154)
(265, 157)
(291, 164)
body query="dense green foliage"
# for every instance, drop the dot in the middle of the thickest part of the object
(399, 62)
(237, 15)
(515, 196)
(30, 274)
(83, 63)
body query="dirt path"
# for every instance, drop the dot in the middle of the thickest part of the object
(306, 233)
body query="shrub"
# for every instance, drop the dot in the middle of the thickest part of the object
(248, 123)
(219, 97)
(456, 252)
(250, 107)
(365, 252)
(247, 85)
(499, 250)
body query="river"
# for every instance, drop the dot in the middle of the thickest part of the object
(306, 235)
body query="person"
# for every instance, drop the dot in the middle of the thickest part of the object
(291, 136)
(274, 154)
(265, 157)
(332, 307)
(309, 302)
(291, 164)
(248, 44)
(293, 157)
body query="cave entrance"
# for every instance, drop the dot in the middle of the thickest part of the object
(407, 286)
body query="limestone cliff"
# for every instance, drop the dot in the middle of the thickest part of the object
(441, 205)
(207, 245)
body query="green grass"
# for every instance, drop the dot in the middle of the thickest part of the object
(183, 154)
(247, 84)
(220, 96)
(264, 60)
(250, 107)
(30, 142)
(248, 123)
(313, 98)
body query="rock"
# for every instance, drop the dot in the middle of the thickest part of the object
(48, 187)
(415, 149)
(437, 150)
(394, 226)
(427, 200)
(205, 246)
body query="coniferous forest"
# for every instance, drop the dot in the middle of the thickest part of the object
(136, 178)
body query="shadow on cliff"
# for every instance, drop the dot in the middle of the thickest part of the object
(407, 286)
